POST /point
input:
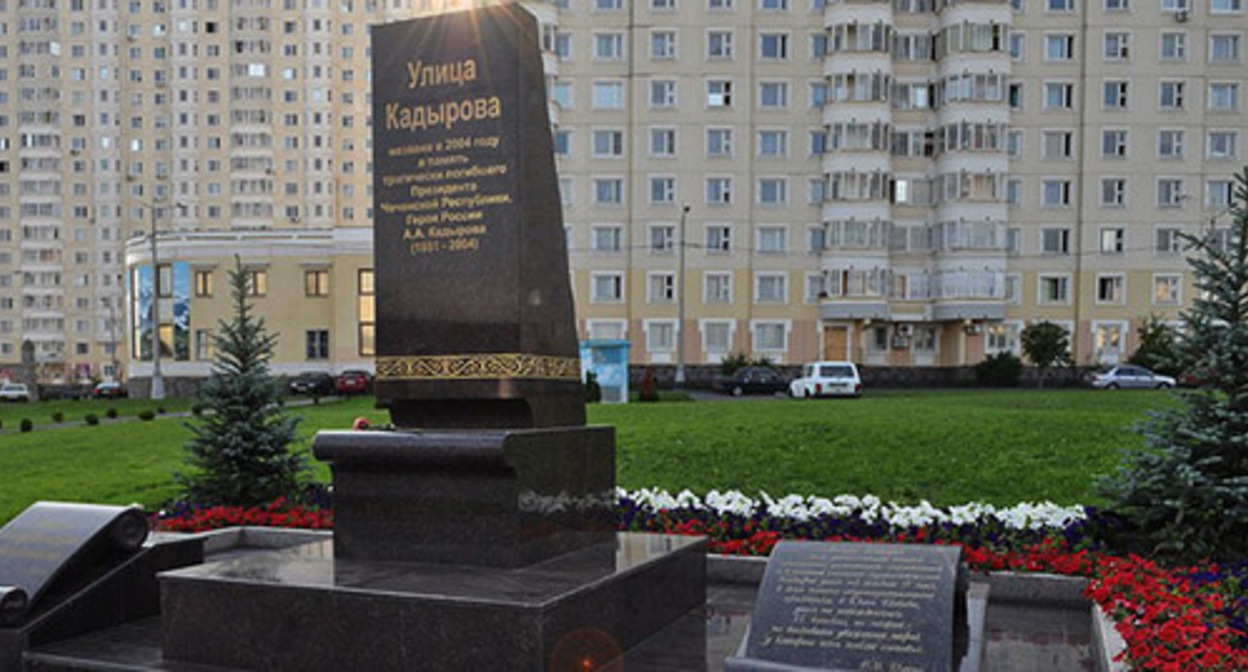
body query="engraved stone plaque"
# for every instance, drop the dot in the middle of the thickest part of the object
(850, 606)
(49, 539)
(475, 323)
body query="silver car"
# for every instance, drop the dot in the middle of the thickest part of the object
(1129, 375)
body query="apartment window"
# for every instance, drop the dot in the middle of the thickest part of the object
(773, 239)
(1114, 144)
(612, 330)
(1167, 290)
(563, 46)
(608, 5)
(719, 44)
(1059, 5)
(1113, 240)
(719, 142)
(1218, 193)
(660, 335)
(718, 190)
(1014, 192)
(1173, 46)
(607, 287)
(773, 144)
(1109, 339)
(1059, 95)
(662, 190)
(1169, 193)
(204, 350)
(1117, 46)
(1055, 193)
(606, 237)
(366, 307)
(1224, 96)
(608, 143)
(717, 337)
(561, 93)
(717, 288)
(1014, 94)
(816, 239)
(663, 93)
(1170, 144)
(770, 336)
(815, 287)
(1110, 289)
(1113, 192)
(718, 238)
(1014, 144)
(562, 140)
(1055, 241)
(1169, 240)
(316, 343)
(773, 191)
(1223, 144)
(1223, 48)
(663, 44)
(818, 94)
(1114, 95)
(609, 46)
(1018, 45)
(663, 142)
(1054, 289)
(773, 95)
(1175, 5)
(566, 191)
(1225, 6)
(608, 191)
(203, 284)
(1172, 95)
(1117, 5)
(719, 5)
(661, 288)
(1059, 47)
(719, 93)
(773, 5)
(771, 288)
(773, 46)
(608, 95)
(662, 238)
(1058, 145)
(818, 45)
(257, 282)
(316, 282)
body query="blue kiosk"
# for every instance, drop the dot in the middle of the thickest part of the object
(608, 360)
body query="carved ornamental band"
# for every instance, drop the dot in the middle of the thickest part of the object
(493, 366)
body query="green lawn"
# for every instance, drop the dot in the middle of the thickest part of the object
(41, 412)
(949, 447)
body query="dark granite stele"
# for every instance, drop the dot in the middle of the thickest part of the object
(304, 610)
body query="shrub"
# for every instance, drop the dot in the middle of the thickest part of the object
(649, 389)
(1000, 370)
(58, 417)
(147, 415)
(92, 419)
(27, 425)
(197, 409)
(111, 414)
(593, 391)
(160, 410)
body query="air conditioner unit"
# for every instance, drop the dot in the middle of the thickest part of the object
(905, 330)
(1181, 15)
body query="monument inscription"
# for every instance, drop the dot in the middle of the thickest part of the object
(854, 606)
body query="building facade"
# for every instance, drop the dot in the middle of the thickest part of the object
(904, 183)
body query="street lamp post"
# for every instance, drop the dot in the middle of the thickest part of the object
(158, 381)
(680, 303)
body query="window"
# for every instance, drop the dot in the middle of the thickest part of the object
(1018, 45)
(719, 142)
(316, 343)
(773, 5)
(816, 239)
(1218, 193)
(771, 288)
(316, 282)
(815, 287)
(204, 350)
(1174, 46)
(606, 237)
(203, 284)
(608, 191)
(718, 190)
(1055, 241)
(662, 238)
(561, 93)
(818, 45)
(367, 313)
(1114, 95)
(1014, 94)
(773, 143)
(1169, 240)
(1117, 5)
(773, 46)
(1003, 338)
(607, 329)
(1114, 144)
(1224, 96)
(1172, 95)
(663, 93)
(818, 94)
(719, 44)
(1117, 46)
(770, 336)
(608, 95)
(1223, 144)
(717, 337)
(663, 44)
(774, 239)
(1058, 145)
(1223, 48)
(660, 335)
(257, 282)
(816, 190)
(1109, 339)
(717, 287)
(1109, 289)
(773, 191)
(661, 288)
(662, 190)
(1113, 192)
(1059, 5)
(663, 142)
(1059, 47)
(1169, 193)
(1054, 289)
(663, 5)
(719, 93)
(608, 143)
(1170, 144)
(1167, 290)
(1225, 6)
(562, 140)
(606, 287)
(773, 95)
(609, 46)
(608, 5)
(1113, 240)
(718, 238)
(1055, 193)
(1059, 96)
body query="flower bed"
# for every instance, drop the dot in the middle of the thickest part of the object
(1180, 618)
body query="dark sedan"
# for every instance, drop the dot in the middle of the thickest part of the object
(313, 383)
(752, 380)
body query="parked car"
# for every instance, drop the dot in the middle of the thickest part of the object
(827, 379)
(751, 380)
(14, 392)
(1128, 376)
(353, 382)
(109, 389)
(317, 383)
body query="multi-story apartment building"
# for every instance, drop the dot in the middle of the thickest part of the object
(904, 182)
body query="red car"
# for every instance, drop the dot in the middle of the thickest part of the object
(353, 382)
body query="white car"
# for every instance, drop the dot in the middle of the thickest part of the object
(14, 392)
(827, 379)
(1130, 376)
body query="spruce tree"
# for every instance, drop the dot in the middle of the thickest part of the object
(240, 452)
(1186, 494)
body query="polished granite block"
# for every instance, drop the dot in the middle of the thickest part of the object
(304, 610)
(493, 498)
